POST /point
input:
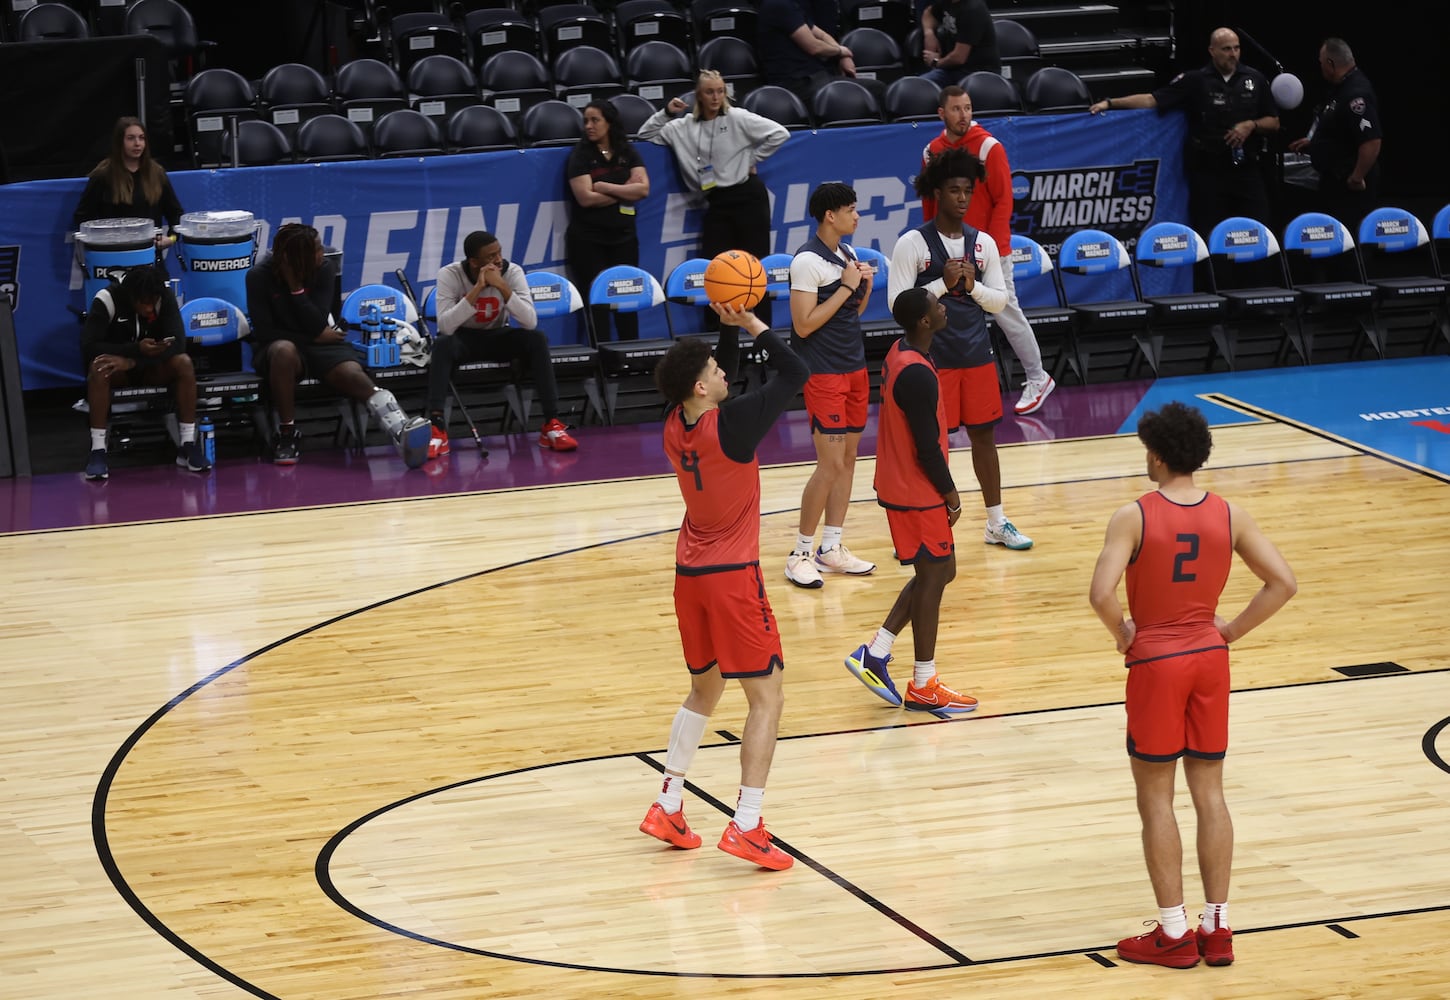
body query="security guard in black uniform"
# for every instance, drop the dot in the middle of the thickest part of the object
(1344, 141)
(1229, 109)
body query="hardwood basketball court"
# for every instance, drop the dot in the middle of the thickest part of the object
(402, 748)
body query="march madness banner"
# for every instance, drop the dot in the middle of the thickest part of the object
(1118, 172)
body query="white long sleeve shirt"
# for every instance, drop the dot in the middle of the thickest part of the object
(911, 256)
(491, 312)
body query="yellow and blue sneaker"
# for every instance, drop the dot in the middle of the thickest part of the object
(871, 671)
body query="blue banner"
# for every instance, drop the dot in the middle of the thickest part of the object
(1119, 173)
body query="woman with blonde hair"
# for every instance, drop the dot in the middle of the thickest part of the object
(128, 184)
(717, 147)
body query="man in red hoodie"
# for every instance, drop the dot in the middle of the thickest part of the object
(991, 212)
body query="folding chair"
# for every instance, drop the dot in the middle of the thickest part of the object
(1054, 325)
(685, 285)
(1399, 260)
(626, 289)
(555, 297)
(1331, 306)
(1114, 326)
(1246, 258)
(1194, 319)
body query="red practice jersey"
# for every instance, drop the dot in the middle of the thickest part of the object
(1176, 576)
(721, 529)
(901, 482)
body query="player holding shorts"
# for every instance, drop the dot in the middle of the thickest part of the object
(914, 484)
(726, 624)
(960, 265)
(829, 289)
(1176, 545)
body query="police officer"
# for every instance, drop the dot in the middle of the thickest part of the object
(1344, 141)
(1229, 108)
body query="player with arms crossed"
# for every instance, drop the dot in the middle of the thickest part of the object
(1176, 545)
(914, 484)
(726, 625)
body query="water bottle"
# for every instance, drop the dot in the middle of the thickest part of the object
(1238, 156)
(207, 431)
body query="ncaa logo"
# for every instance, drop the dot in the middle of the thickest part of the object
(10, 275)
(1021, 187)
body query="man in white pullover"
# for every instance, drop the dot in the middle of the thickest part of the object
(476, 298)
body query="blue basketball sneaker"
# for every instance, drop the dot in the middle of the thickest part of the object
(871, 671)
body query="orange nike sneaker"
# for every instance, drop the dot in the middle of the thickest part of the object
(755, 847)
(669, 827)
(934, 696)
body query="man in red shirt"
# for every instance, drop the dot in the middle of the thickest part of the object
(1176, 545)
(914, 484)
(991, 213)
(726, 625)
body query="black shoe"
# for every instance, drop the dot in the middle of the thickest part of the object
(287, 449)
(96, 467)
(192, 458)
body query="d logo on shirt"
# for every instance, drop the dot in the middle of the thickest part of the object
(486, 309)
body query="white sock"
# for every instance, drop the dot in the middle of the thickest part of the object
(98, 439)
(188, 432)
(830, 538)
(924, 670)
(686, 732)
(672, 793)
(1215, 915)
(995, 517)
(881, 645)
(1173, 920)
(804, 544)
(747, 809)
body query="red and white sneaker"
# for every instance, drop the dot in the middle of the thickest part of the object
(1157, 948)
(555, 437)
(438, 443)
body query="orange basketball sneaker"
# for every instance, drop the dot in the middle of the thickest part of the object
(755, 847)
(934, 696)
(669, 827)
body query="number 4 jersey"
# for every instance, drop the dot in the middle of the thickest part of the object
(1177, 574)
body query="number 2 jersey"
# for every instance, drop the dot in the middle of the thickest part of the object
(716, 468)
(1176, 576)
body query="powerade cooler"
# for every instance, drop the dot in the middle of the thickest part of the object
(215, 250)
(109, 246)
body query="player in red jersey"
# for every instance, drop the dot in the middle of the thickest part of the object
(1176, 545)
(991, 213)
(726, 624)
(914, 484)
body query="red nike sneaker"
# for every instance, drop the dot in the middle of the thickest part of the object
(1157, 948)
(1216, 947)
(755, 847)
(669, 827)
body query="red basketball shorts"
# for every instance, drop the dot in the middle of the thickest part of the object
(725, 619)
(1178, 705)
(919, 535)
(971, 396)
(837, 403)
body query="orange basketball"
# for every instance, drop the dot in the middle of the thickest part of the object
(735, 278)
